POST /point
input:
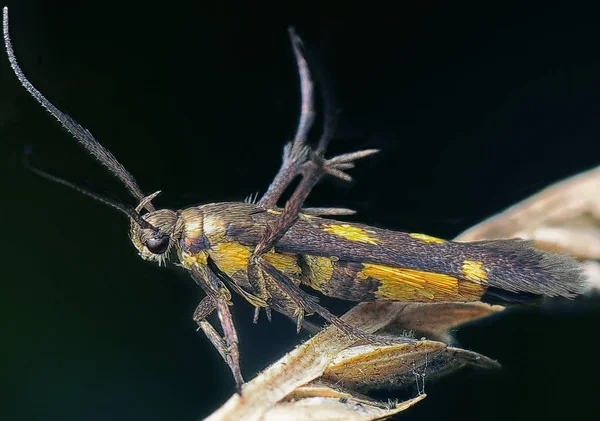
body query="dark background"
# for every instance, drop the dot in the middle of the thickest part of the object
(474, 107)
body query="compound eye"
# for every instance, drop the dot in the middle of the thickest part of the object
(158, 245)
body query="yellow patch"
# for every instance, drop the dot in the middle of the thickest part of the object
(287, 263)
(474, 270)
(400, 284)
(427, 238)
(351, 232)
(320, 271)
(232, 257)
(274, 212)
(189, 260)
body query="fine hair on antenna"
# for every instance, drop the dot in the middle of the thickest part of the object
(84, 138)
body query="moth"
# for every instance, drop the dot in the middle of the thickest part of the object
(265, 253)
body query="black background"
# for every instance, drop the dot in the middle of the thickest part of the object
(474, 107)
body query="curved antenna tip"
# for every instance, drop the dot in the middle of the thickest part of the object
(5, 20)
(296, 40)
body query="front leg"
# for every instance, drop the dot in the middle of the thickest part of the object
(218, 298)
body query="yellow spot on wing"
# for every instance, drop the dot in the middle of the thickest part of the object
(189, 260)
(474, 270)
(232, 257)
(427, 238)
(287, 263)
(319, 271)
(401, 284)
(351, 232)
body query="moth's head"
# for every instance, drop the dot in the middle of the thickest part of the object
(154, 239)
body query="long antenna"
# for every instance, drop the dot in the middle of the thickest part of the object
(83, 136)
(126, 209)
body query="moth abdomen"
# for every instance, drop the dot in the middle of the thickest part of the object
(520, 267)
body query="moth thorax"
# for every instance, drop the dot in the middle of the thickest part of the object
(191, 222)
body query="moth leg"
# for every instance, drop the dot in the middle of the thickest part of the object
(312, 172)
(327, 211)
(204, 309)
(219, 299)
(298, 159)
(296, 152)
(312, 167)
(306, 302)
(257, 313)
(322, 211)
